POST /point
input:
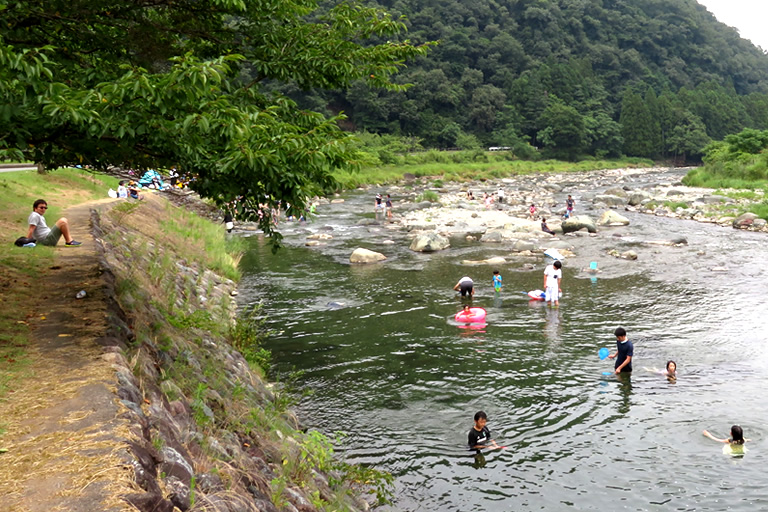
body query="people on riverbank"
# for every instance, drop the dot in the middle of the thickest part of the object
(465, 286)
(546, 228)
(122, 192)
(39, 230)
(500, 194)
(388, 204)
(624, 352)
(569, 203)
(229, 221)
(532, 212)
(497, 281)
(479, 436)
(553, 276)
(488, 200)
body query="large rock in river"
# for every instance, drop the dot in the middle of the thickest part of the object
(579, 222)
(612, 218)
(637, 197)
(498, 260)
(745, 220)
(430, 242)
(361, 255)
(610, 200)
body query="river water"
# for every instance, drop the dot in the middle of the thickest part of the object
(391, 369)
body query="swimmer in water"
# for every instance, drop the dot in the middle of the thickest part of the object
(736, 439)
(671, 371)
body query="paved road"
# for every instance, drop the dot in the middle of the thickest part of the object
(14, 168)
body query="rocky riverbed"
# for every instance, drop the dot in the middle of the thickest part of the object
(601, 198)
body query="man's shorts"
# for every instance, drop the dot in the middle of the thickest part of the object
(466, 289)
(53, 237)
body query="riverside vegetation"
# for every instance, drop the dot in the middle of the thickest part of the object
(207, 431)
(193, 375)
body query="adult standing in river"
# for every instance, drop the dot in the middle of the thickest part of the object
(624, 352)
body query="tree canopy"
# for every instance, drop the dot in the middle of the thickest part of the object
(161, 83)
(500, 64)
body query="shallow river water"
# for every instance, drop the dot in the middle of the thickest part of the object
(391, 369)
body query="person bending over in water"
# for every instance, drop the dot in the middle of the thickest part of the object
(465, 286)
(479, 436)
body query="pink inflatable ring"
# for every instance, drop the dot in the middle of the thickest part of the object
(471, 316)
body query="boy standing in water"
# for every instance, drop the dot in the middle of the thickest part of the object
(552, 277)
(496, 280)
(479, 436)
(624, 352)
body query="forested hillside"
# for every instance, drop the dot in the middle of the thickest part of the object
(651, 78)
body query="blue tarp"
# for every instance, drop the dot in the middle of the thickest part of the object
(148, 177)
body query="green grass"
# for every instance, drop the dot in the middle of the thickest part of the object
(674, 205)
(20, 267)
(487, 169)
(221, 254)
(719, 177)
(749, 195)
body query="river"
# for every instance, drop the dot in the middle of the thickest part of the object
(390, 368)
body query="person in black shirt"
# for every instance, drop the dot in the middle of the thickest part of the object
(479, 436)
(624, 351)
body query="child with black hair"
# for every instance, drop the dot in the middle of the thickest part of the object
(737, 436)
(735, 445)
(671, 371)
(553, 275)
(625, 351)
(479, 436)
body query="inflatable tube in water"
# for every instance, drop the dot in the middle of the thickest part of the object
(540, 295)
(473, 315)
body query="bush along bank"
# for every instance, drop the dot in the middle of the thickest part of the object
(209, 433)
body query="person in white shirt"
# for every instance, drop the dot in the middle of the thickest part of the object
(40, 231)
(553, 275)
(466, 286)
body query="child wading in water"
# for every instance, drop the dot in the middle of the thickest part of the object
(496, 281)
(735, 443)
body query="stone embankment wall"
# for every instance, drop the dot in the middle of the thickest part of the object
(208, 432)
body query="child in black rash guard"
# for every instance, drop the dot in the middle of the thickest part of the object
(480, 437)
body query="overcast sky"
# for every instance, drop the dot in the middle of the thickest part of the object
(748, 16)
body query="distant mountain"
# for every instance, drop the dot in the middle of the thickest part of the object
(640, 77)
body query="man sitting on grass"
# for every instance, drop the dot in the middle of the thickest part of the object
(40, 231)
